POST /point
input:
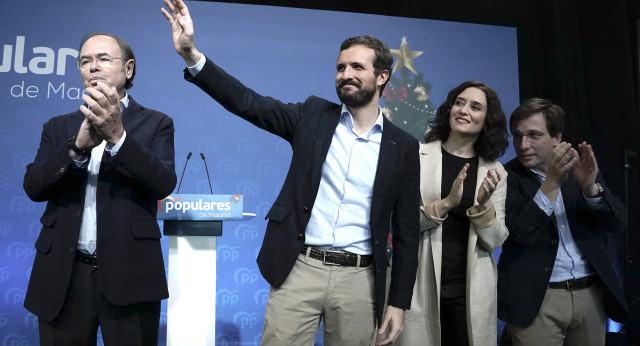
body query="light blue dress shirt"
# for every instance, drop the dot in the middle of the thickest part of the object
(89, 226)
(341, 213)
(570, 262)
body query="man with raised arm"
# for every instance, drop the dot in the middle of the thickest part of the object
(352, 175)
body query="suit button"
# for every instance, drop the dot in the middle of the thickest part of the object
(306, 209)
(547, 269)
(300, 236)
(61, 170)
(554, 242)
(79, 213)
(71, 249)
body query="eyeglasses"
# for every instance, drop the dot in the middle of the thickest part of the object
(104, 61)
(532, 136)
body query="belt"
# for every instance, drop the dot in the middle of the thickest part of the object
(575, 284)
(86, 258)
(338, 258)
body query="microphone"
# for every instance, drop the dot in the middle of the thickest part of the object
(183, 170)
(205, 167)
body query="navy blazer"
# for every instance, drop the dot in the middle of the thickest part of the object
(130, 264)
(529, 254)
(309, 127)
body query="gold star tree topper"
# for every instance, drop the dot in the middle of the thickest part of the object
(404, 57)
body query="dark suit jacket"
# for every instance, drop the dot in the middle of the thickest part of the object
(309, 128)
(130, 264)
(529, 253)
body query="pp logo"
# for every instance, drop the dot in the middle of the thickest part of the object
(226, 297)
(245, 276)
(247, 188)
(283, 149)
(227, 340)
(209, 146)
(245, 232)
(28, 116)
(244, 319)
(21, 205)
(229, 167)
(3, 319)
(22, 159)
(28, 272)
(15, 340)
(203, 187)
(6, 183)
(257, 251)
(8, 139)
(14, 296)
(248, 147)
(4, 273)
(262, 209)
(34, 228)
(277, 187)
(20, 250)
(268, 167)
(31, 321)
(261, 296)
(227, 253)
(5, 228)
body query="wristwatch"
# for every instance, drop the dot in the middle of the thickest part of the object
(71, 143)
(600, 191)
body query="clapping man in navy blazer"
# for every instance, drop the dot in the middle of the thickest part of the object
(101, 170)
(352, 174)
(556, 284)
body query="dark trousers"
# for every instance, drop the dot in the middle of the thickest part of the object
(453, 321)
(86, 308)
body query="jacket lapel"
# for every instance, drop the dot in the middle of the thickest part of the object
(323, 142)
(430, 171)
(386, 164)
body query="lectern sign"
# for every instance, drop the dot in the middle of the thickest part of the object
(200, 207)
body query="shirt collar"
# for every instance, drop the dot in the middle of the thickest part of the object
(540, 176)
(345, 115)
(125, 100)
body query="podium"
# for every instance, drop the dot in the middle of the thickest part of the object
(193, 222)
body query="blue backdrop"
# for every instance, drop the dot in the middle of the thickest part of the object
(282, 52)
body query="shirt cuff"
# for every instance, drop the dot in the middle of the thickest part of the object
(81, 163)
(114, 151)
(195, 69)
(543, 203)
(594, 202)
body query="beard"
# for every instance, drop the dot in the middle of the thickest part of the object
(362, 96)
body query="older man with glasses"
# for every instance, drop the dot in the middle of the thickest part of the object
(556, 285)
(101, 170)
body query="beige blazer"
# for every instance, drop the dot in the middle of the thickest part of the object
(487, 232)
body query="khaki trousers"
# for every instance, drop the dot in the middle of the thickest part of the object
(343, 297)
(569, 318)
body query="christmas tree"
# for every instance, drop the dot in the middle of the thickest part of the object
(406, 96)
